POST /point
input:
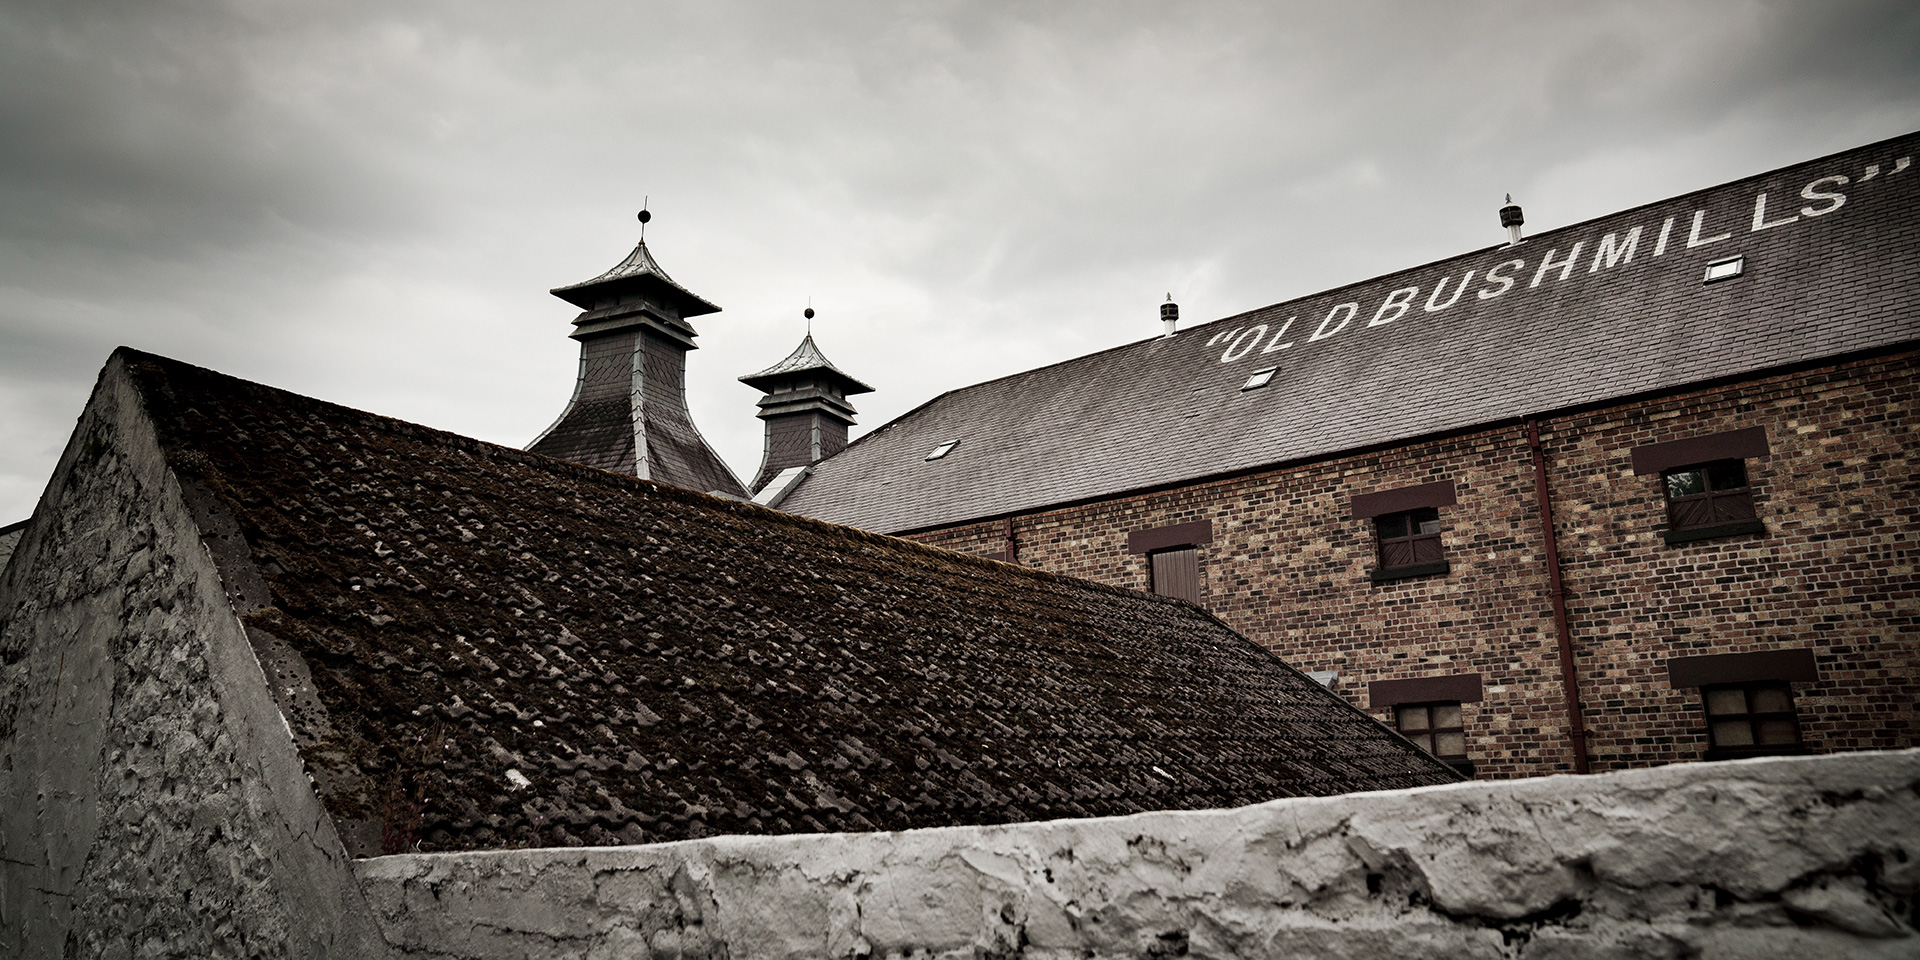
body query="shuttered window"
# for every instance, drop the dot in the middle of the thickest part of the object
(1176, 573)
(1406, 528)
(1708, 495)
(1409, 539)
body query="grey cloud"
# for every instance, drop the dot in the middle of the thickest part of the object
(367, 201)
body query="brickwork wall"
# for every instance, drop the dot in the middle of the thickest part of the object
(1840, 497)
(1289, 565)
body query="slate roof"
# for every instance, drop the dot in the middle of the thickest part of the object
(638, 268)
(478, 647)
(805, 358)
(1403, 356)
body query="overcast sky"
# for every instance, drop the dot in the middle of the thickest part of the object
(367, 203)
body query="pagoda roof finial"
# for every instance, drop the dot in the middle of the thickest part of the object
(638, 271)
(805, 358)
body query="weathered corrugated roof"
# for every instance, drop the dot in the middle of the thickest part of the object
(805, 358)
(1600, 310)
(507, 650)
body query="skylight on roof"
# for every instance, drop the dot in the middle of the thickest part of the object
(1259, 379)
(943, 449)
(1725, 269)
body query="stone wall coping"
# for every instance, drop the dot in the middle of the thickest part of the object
(1760, 857)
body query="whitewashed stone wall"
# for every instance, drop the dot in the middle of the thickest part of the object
(1811, 857)
(151, 803)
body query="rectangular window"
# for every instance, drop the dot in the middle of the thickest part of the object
(1705, 481)
(1709, 495)
(1725, 269)
(1176, 573)
(1406, 527)
(1435, 728)
(1748, 699)
(1409, 539)
(1751, 720)
(1173, 557)
(1426, 710)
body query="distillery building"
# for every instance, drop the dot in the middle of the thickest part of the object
(1622, 493)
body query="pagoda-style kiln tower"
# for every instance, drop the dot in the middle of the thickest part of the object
(629, 408)
(805, 408)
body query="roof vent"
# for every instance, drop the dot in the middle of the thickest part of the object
(1170, 315)
(1511, 219)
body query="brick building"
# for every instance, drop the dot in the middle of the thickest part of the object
(1628, 492)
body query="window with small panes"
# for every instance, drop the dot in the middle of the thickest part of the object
(1751, 719)
(1433, 727)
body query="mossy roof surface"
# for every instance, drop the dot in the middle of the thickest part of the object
(510, 650)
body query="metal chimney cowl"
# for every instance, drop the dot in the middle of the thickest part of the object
(1511, 218)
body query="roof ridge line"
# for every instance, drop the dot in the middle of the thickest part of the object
(1563, 228)
(1478, 251)
(617, 480)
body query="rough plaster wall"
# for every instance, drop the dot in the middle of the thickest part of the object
(1805, 857)
(151, 803)
(7, 542)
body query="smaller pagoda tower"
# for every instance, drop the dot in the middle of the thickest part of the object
(805, 407)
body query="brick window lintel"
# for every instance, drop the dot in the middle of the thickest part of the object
(1177, 535)
(1457, 688)
(1693, 451)
(1793, 666)
(1436, 494)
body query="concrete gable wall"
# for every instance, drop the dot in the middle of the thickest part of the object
(1804, 857)
(8, 539)
(151, 802)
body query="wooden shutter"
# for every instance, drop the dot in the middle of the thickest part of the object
(1176, 573)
